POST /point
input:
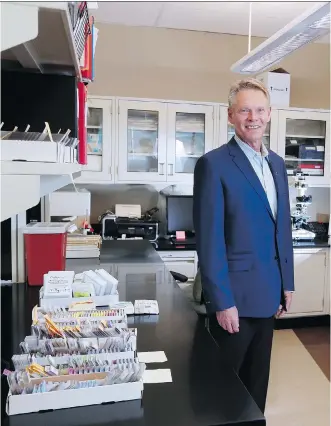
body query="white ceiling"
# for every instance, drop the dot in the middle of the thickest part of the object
(217, 17)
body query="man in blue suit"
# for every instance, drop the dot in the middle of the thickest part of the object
(243, 231)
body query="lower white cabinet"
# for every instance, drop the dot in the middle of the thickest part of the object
(327, 282)
(310, 280)
(183, 262)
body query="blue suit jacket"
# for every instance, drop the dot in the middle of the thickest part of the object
(245, 255)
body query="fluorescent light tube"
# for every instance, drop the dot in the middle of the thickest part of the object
(309, 26)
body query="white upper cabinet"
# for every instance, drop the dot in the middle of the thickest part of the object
(99, 142)
(161, 142)
(190, 134)
(304, 143)
(142, 150)
(147, 141)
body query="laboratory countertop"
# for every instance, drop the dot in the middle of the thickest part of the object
(204, 392)
(166, 245)
(311, 244)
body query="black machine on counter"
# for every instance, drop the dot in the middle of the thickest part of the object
(302, 229)
(176, 214)
(114, 227)
(299, 213)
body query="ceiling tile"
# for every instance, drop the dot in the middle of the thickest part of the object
(212, 17)
(128, 13)
(231, 17)
(218, 17)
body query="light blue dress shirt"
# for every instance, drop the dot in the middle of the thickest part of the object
(259, 162)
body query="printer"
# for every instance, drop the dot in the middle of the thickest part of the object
(117, 227)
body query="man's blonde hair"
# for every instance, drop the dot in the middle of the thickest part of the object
(245, 84)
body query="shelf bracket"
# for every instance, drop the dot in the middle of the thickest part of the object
(27, 56)
(51, 183)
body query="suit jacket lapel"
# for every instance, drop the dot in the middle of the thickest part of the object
(242, 162)
(277, 176)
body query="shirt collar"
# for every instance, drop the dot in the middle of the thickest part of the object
(249, 150)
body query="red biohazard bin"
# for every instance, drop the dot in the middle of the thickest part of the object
(45, 249)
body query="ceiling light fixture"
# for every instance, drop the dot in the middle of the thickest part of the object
(309, 26)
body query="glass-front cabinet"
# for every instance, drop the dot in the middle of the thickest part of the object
(161, 142)
(99, 141)
(94, 130)
(304, 143)
(190, 135)
(142, 141)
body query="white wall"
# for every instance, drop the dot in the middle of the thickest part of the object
(192, 65)
(321, 201)
(104, 197)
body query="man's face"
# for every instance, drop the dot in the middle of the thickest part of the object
(250, 114)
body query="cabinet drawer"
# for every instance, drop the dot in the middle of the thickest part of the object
(309, 282)
(182, 267)
(185, 254)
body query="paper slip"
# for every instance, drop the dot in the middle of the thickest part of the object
(155, 356)
(146, 307)
(127, 306)
(157, 376)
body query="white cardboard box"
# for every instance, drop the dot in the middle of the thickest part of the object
(22, 404)
(278, 83)
(64, 358)
(65, 302)
(70, 203)
(34, 342)
(48, 152)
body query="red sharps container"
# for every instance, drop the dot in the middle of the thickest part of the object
(45, 249)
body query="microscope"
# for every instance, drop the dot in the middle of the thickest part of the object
(299, 211)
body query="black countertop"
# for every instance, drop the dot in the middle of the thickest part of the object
(166, 245)
(128, 251)
(311, 244)
(204, 392)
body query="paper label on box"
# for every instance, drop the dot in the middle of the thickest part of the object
(320, 148)
(278, 85)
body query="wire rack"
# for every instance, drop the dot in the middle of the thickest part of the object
(80, 24)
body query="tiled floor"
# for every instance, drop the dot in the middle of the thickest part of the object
(317, 342)
(299, 389)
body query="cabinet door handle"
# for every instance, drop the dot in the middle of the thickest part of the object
(162, 168)
(171, 166)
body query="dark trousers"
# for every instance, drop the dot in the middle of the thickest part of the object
(248, 353)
